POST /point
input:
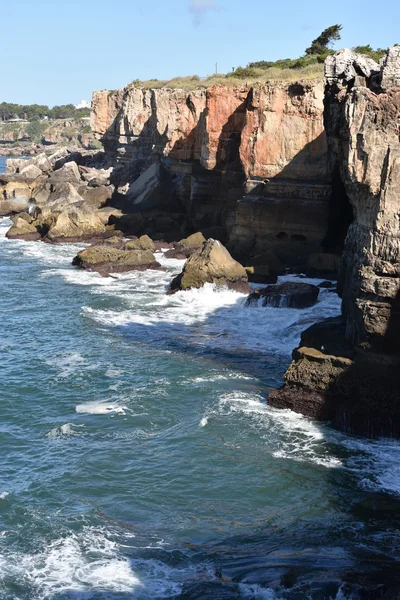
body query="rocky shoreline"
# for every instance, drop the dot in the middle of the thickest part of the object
(245, 184)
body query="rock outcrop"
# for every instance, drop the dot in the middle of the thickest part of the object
(211, 263)
(106, 259)
(290, 294)
(362, 116)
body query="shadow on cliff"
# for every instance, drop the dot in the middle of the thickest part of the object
(362, 393)
(369, 390)
(196, 197)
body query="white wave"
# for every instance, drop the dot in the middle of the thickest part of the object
(256, 592)
(220, 377)
(4, 495)
(68, 364)
(204, 422)
(286, 434)
(227, 322)
(100, 408)
(377, 460)
(86, 562)
(113, 372)
(66, 430)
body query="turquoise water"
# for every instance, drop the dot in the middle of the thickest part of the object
(141, 460)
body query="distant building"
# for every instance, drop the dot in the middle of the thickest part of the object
(17, 120)
(83, 104)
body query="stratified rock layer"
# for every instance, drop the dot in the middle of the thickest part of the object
(253, 160)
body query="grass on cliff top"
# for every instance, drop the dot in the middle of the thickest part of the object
(247, 77)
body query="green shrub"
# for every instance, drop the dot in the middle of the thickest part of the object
(35, 130)
(244, 73)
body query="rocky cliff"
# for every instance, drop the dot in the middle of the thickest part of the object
(24, 138)
(252, 160)
(348, 370)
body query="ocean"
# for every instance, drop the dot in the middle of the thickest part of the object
(140, 458)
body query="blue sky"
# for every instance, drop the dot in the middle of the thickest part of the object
(55, 52)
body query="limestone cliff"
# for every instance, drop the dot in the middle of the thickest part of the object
(253, 160)
(348, 370)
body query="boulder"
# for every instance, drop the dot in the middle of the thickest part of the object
(142, 243)
(17, 189)
(31, 171)
(96, 177)
(21, 229)
(76, 225)
(108, 211)
(196, 240)
(290, 294)
(12, 207)
(13, 165)
(68, 172)
(211, 263)
(105, 259)
(96, 196)
(186, 247)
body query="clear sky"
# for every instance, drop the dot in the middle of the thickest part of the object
(56, 52)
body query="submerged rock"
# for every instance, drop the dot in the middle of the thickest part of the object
(105, 259)
(211, 263)
(286, 295)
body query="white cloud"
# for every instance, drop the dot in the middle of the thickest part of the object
(199, 8)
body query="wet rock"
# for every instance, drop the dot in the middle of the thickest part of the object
(105, 259)
(286, 295)
(21, 229)
(211, 263)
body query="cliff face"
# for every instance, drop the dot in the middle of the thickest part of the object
(347, 370)
(363, 128)
(252, 160)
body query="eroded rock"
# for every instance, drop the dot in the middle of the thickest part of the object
(211, 263)
(290, 294)
(105, 260)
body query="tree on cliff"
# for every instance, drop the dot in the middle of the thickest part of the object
(321, 44)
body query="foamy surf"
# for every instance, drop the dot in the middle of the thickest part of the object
(100, 408)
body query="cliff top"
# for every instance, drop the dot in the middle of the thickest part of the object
(256, 76)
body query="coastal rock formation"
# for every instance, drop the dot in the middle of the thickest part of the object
(252, 160)
(186, 247)
(290, 294)
(106, 259)
(212, 263)
(362, 114)
(23, 229)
